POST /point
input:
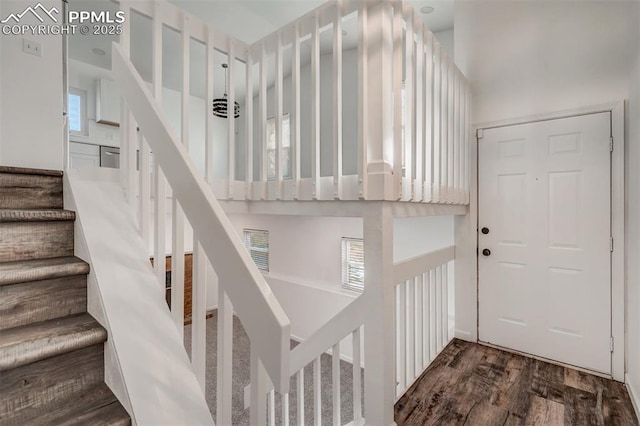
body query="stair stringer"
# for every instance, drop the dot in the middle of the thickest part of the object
(146, 365)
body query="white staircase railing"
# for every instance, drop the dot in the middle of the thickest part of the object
(242, 287)
(422, 313)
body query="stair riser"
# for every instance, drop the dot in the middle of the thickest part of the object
(34, 389)
(35, 240)
(24, 191)
(36, 301)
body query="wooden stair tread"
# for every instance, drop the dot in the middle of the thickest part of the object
(28, 171)
(97, 406)
(33, 342)
(41, 269)
(7, 215)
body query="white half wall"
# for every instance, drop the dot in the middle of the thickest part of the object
(633, 229)
(31, 101)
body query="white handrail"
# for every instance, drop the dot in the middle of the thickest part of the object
(262, 316)
(412, 267)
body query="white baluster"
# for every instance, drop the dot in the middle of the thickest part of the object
(417, 303)
(279, 111)
(335, 370)
(401, 338)
(315, 108)
(300, 397)
(363, 120)
(357, 376)
(295, 113)
(409, 123)
(271, 398)
(264, 161)
(231, 122)
(285, 409)
(410, 324)
(317, 392)
(208, 110)
(258, 410)
(249, 125)
(177, 267)
(199, 313)
(337, 101)
(224, 407)
(419, 116)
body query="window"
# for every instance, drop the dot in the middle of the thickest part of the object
(257, 242)
(285, 150)
(353, 264)
(77, 111)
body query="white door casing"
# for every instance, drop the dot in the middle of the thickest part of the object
(545, 196)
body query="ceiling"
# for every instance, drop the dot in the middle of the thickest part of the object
(247, 20)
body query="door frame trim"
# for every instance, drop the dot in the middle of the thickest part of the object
(466, 243)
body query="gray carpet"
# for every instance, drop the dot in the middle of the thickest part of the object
(241, 378)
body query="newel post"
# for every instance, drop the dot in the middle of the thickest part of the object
(379, 378)
(377, 127)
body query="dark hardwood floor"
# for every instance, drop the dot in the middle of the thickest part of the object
(470, 384)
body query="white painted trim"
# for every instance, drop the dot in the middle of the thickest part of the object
(617, 215)
(415, 266)
(634, 395)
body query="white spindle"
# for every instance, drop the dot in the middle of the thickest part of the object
(432, 313)
(199, 313)
(437, 125)
(177, 267)
(208, 112)
(357, 376)
(248, 122)
(224, 385)
(438, 309)
(258, 392)
(428, 113)
(397, 100)
(337, 101)
(411, 323)
(264, 160)
(285, 409)
(426, 324)
(409, 89)
(444, 124)
(451, 133)
(278, 95)
(315, 107)
(317, 392)
(445, 305)
(401, 338)
(145, 192)
(419, 116)
(231, 121)
(295, 113)
(363, 99)
(271, 398)
(300, 397)
(160, 208)
(160, 188)
(335, 370)
(417, 302)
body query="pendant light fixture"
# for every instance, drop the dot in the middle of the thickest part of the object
(220, 105)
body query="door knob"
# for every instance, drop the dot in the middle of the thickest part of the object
(485, 230)
(486, 252)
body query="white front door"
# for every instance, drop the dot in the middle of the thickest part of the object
(544, 266)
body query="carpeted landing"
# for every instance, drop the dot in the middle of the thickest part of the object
(241, 375)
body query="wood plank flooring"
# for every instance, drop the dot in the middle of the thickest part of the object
(470, 384)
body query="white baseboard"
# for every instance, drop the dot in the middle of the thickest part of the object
(464, 335)
(633, 395)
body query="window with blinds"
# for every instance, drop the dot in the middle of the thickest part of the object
(353, 264)
(257, 242)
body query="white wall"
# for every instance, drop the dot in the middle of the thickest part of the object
(533, 57)
(446, 39)
(633, 229)
(527, 58)
(31, 126)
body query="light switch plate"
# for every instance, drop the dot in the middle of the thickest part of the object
(31, 47)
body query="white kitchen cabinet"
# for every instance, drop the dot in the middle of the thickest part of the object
(107, 102)
(83, 155)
